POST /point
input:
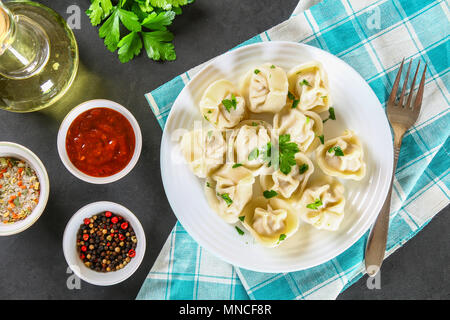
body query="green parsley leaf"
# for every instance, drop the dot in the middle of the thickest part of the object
(272, 67)
(257, 71)
(282, 237)
(210, 132)
(307, 120)
(269, 194)
(237, 165)
(303, 168)
(226, 197)
(254, 124)
(287, 151)
(332, 115)
(98, 10)
(321, 138)
(230, 103)
(253, 155)
(208, 184)
(158, 21)
(291, 95)
(337, 151)
(16, 202)
(242, 218)
(315, 205)
(239, 231)
(130, 46)
(295, 103)
(158, 45)
(305, 82)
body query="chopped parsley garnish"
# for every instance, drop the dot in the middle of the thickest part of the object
(282, 237)
(257, 71)
(291, 96)
(230, 103)
(16, 202)
(303, 168)
(254, 154)
(337, 151)
(239, 231)
(287, 153)
(236, 165)
(226, 197)
(331, 115)
(305, 82)
(254, 124)
(307, 120)
(242, 218)
(294, 101)
(206, 118)
(324, 97)
(272, 67)
(314, 206)
(321, 138)
(210, 133)
(269, 194)
(209, 111)
(208, 184)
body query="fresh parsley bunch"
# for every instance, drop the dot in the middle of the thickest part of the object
(128, 25)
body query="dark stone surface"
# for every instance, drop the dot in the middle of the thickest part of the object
(32, 263)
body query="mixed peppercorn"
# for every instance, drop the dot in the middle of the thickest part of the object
(106, 242)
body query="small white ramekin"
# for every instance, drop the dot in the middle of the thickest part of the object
(72, 115)
(70, 247)
(13, 150)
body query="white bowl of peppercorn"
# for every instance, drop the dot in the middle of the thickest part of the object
(104, 243)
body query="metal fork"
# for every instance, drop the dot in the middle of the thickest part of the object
(401, 117)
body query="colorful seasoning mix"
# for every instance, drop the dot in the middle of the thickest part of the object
(106, 242)
(19, 190)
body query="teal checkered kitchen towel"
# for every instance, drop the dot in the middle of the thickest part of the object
(372, 36)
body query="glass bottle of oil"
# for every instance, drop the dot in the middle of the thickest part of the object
(38, 56)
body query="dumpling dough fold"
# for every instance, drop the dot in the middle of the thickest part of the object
(229, 190)
(346, 165)
(215, 111)
(309, 82)
(270, 221)
(204, 150)
(265, 88)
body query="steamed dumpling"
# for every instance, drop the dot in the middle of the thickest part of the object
(295, 180)
(303, 127)
(204, 150)
(248, 144)
(265, 88)
(229, 190)
(222, 105)
(309, 82)
(342, 157)
(323, 205)
(270, 221)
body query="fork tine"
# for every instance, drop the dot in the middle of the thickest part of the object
(405, 84)
(411, 91)
(395, 86)
(419, 96)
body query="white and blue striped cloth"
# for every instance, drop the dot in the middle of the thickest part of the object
(373, 36)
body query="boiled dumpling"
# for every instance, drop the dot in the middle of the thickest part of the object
(323, 205)
(270, 221)
(248, 144)
(294, 181)
(342, 157)
(303, 127)
(229, 190)
(309, 82)
(204, 150)
(265, 88)
(222, 105)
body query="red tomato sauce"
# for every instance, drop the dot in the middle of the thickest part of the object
(100, 142)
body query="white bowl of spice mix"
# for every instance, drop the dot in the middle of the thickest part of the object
(24, 188)
(104, 243)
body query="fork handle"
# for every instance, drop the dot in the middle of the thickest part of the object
(376, 245)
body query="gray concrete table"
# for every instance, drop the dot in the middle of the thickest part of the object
(32, 264)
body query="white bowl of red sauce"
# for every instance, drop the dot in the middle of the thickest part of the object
(99, 141)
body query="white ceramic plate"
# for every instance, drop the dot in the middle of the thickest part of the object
(357, 108)
(70, 248)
